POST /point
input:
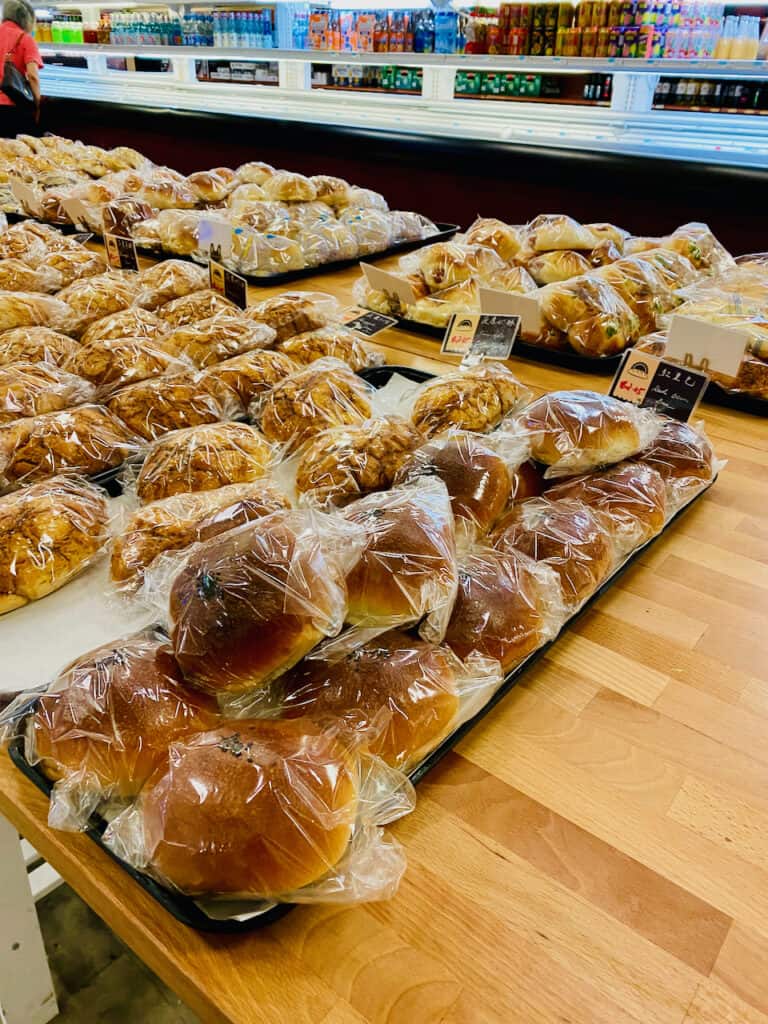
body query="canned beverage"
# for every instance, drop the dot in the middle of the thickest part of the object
(603, 42)
(589, 41)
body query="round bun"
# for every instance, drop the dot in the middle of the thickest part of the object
(252, 374)
(212, 186)
(288, 186)
(35, 345)
(565, 534)
(682, 456)
(475, 398)
(527, 482)
(203, 458)
(113, 712)
(252, 808)
(398, 691)
(478, 480)
(337, 342)
(550, 267)
(495, 234)
(248, 605)
(255, 172)
(448, 263)
(330, 190)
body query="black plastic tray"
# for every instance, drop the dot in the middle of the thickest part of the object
(716, 395)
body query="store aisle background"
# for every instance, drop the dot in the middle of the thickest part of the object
(98, 979)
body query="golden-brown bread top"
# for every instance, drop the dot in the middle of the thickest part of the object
(74, 264)
(198, 305)
(293, 313)
(604, 253)
(438, 308)
(16, 276)
(516, 280)
(184, 519)
(501, 607)
(35, 345)
(30, 309)
(212, 186)
(640, 283)
(681, 454)
(551, 231)
(448, 263)
(254, 808)
(153, 407)
(337, 342)
(326, 394)
(527, 482)
(28, 389)
(478, 479)
(128, 323)
(696, 242)
(115, 362)
(168, 280)
(471, 398)
(609, 233)
(567, 535)
(254, 171)
(333, 191)
(218, 337)
(203, 458)
(164, 194)
(495, 234)
(18, 242)
(123, 158)
(49, 532)
(752, 378)
(596, 319)
(675, 270)
(344, 462)
(408, 566)
(246, 606)
(114, 712)
(87, 439)
(550, 267)
(252, 373)
(288, 186)
(93, 298)
(397, 691)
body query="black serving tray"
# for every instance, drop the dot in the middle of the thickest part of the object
(717, 395)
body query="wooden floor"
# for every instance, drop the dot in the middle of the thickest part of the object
(596, 852)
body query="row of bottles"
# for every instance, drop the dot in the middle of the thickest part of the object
(708, 94)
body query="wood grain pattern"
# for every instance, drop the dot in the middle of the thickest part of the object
(595, 852)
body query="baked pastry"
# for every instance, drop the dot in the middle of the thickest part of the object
(124, 158)
(344, 462)
(128, 323)
(169, 280)
(212, 186)
(115, 362)
(164, 194)
(506, 607)
(246, 606)
(631, 497)
(527, 482)
(49, 533)
(604, 253)
(365, 199)
(642, 287)
(325, 394)
(288, 186)
(218, 337)
(262, 255)
(27, 389)
(594, 316)
(751, 379)
(684, 458)
(478, 478)
(87, 439)
(252, 809)
(35, 345)
(696, 242)
(330, 190)
(567, 536)
(201, 459)
(294, 313)
(259, 214)
(246, 193)
(252, 374)
(176, 231)
(198, 305)
(471, 398)
(73, 264)
(551, 231)
(93, 298)
(27, 309)
(18, 242)
(16, 276)
(175, 523)
(408, 226)
(447, 263)
(331, 341)
(551, 267)
(398, 692)
(495, 234)
(255, 171)
(516, 280)
(438, 308)
(609, 233)
(579, 430)
(408, 566)
(153, 407)
(112, 714)
(675, 269)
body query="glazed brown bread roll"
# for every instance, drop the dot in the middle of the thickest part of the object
(255, 172)
(551, 231)
(196, 306)
(248, 605)
(475, 398)
(568, 536)
(113, 363)
(113, 713)
(212, 186)
(684, 458)
(169, 280)
(345, 462)
(251, 374)
(549, 267)
(218, 337)
(527, 482)
(495, 234)
(49, 533)
(154, 407)
(35, 345)
(201, 459)
(331, 341)
(128, 323)
(177, 522)
(448, 263)
(293, 313)
(253, 808)
(397, 691)
(288, 186)
(28, 389)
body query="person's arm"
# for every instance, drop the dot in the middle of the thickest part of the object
(33, 77)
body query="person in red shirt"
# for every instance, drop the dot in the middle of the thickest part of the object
(16, 41)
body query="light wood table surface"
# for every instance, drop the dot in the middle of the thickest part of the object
(595, 852)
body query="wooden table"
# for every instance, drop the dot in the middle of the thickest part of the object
(596, 852)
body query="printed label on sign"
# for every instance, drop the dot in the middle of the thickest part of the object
(229, 284)
(485, 335)
(121, 252)
(524, 306)
(82, 237)
(77, 213)
(704, 346)
(366, 322)
(27, 197)
(215, 238)
(390, 284)
(654, 383)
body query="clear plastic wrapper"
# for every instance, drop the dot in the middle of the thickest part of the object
(337, 342)
(219, 337)
(385, 302)
(468, 398)
(119, 215)
(550, 231)
(276, 810)
(261, 255)
(123, 158)
(169, 280)
(317, 247)
(676, 271)
(49, 532)
(254, 171)
(343, 463)
(35, 345)
(494, 234)
(595, 318)
(27, 309)
(605, 253)
(113, 363)
(567, 536)
(609, 233)
(560, 265)
(203, 458)
(631, 498)
(29, 389)
(296, 312)
(87, 439)
(365, 199)
(373, 230)
(325, 394)
(146, 235)
(93, 298)
(198, 305)
(506, 606)
(73, 264)
(105, 725)
(408, 226)
(438, 308)
(684, 457)
(449, 263)
(288, 187)
(407, 569)
(401, 695)
(156, 406)
(212, 186)
(162, 193)
(245, 192)
(516, 280)
(16, 276)
(246, 606)
(252, 374)
(696, 242)
(128, 323)
(175, 523)
(340, 237)
(176, 230)
(259, 214)
(308, 215)
(331, 190)
(574, 431)
(642, 286)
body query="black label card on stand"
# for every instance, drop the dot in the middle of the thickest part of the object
(488, 335)
(654, 383)
(121, 252)
(82, 237)
(229, 284)
(366, 322)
